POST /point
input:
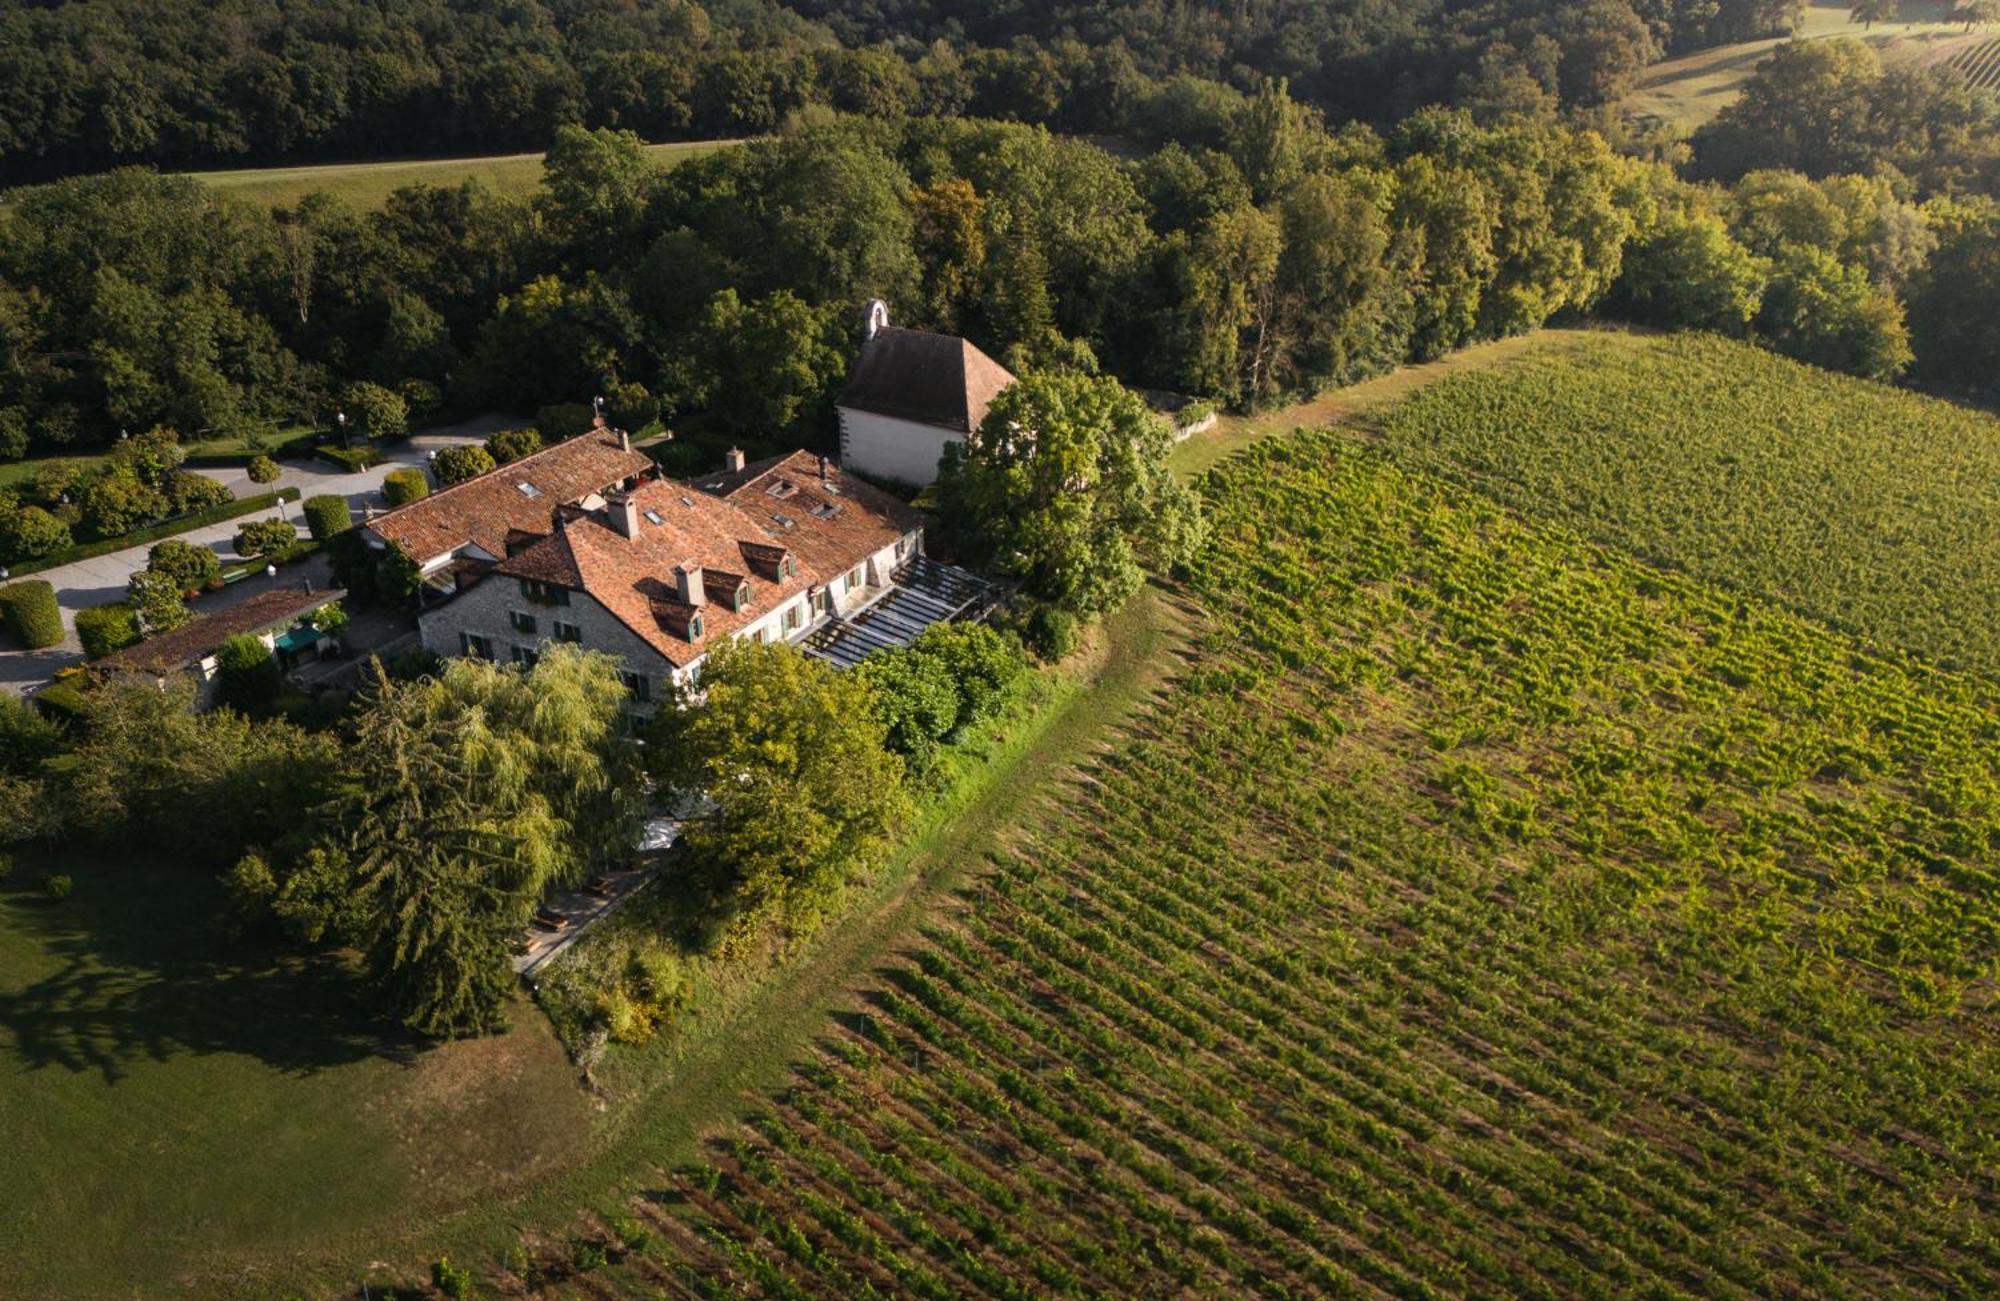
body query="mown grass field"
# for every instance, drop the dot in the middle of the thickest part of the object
(1481, 913)
(1685, 92)
(367, 185)
(1872, 508)
(179, 1109)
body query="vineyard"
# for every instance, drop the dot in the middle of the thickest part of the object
(1870, 508)
(1480, 913)
(1980, 63)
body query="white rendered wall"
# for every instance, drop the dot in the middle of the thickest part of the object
(884, 447)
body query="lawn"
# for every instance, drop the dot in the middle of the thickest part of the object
(1481, 912)
(367, 185)
(177, 1109)
(1686, 92)
(1867, 506)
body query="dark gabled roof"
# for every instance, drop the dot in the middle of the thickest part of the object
(200, 636)
(933, 379)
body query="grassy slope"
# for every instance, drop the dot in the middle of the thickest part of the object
(366, 185)
(1480, 913)
(1686, 92)
(1863, 505)
(169, 1113)
(183, 1125)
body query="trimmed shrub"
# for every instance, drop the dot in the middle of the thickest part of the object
(57, 885)
(457, 464)
(562, 420)
(352, 459)
(31, 613)
(31, 532)
(1051, 632)
(186, 565)
(262, 469)
(513, 444)
(189, 493)
(106, 628)
(250, 674)
(376, 411)
(402, 487)
(328, 514)
(235, 508)
(265, 537)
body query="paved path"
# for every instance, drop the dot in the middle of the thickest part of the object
(101, 579)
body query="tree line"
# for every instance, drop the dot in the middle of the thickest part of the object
(91, 84)
(1266, 258)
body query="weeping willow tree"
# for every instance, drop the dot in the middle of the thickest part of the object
(471, 794)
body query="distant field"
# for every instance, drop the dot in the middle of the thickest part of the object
(1685, 93)
(367, 185)
(1481, 913)
(1869, 507)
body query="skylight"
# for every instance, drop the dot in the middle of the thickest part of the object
(782, 488)
(528, 489)
(688, 502)
(653, 517)
(826, 510)
(785, 520)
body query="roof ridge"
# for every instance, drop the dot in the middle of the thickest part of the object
(451, 488)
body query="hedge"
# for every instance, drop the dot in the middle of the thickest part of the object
(106, 628)
(352, 459)
(299, 444)
(30, 609)
(402, 487)
(328, 514)
(164, 529)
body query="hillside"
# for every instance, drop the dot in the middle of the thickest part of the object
(1483, 912)
(1866, 506)
(1686, 92)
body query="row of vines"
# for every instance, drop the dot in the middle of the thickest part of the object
(1482, 913)
(1871, 508)
(1980, 62)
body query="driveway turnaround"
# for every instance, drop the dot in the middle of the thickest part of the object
(101, 579)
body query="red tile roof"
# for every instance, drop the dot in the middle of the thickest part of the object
(826, 529)
(482, 512)
(835, 520)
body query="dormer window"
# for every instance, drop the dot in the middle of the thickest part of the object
(786, 568)
(742, 595)
(694, 628)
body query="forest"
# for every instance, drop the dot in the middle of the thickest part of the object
(92, 83)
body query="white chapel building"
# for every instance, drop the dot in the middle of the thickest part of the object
(910, 395)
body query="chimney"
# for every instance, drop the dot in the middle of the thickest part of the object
(822, 469)
(878, 319)
(624, 441)
(624, 514)
(687, 583)
(732, 460)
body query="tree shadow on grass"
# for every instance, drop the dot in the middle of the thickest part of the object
(148, 972)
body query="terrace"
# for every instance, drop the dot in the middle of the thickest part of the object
(925, 592)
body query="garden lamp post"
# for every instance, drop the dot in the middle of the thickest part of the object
(340, 418)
